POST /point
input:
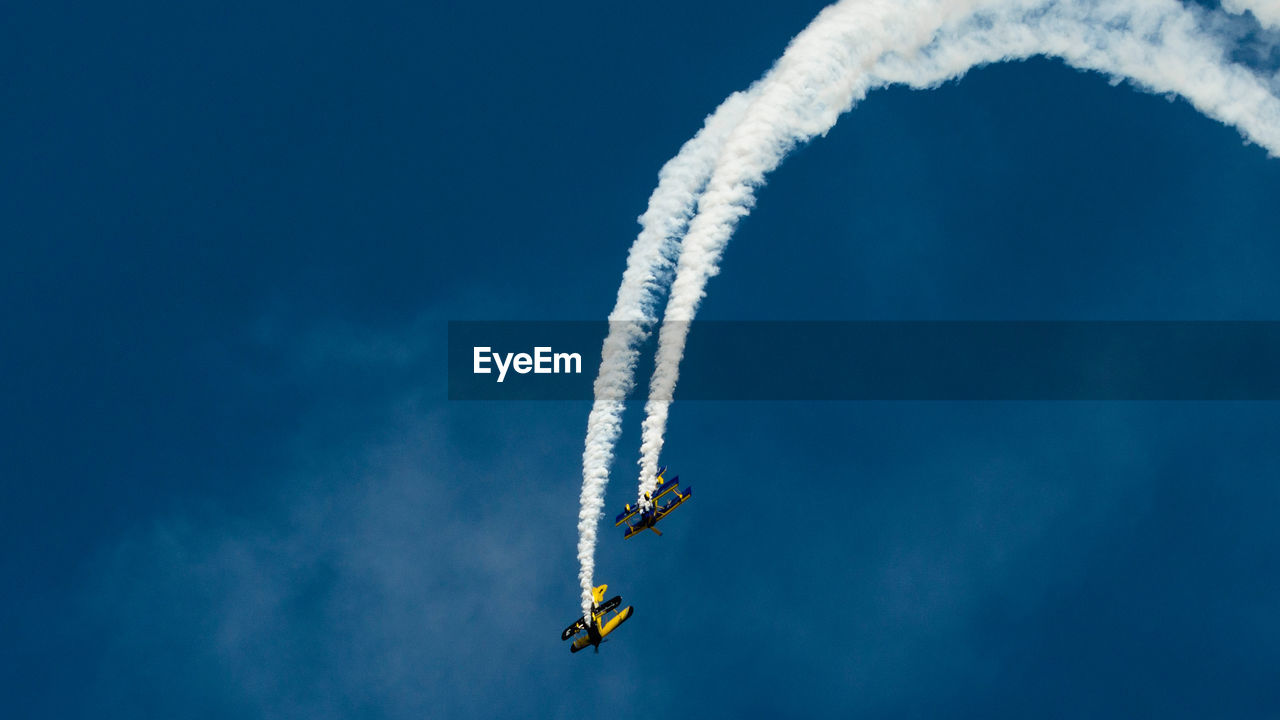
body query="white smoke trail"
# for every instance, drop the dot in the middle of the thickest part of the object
(1266, 11)
(835, 48)
(649, 265)
(858, 45)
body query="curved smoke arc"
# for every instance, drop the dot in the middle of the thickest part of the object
(851, 48)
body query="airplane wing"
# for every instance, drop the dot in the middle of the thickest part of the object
(616, 621)
(626, 514)
(665, 487)
(610, 604)
(675, 503)
(574, 629)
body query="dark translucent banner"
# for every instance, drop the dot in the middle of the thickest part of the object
(885, 361)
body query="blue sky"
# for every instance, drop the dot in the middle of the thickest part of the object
(234, 234)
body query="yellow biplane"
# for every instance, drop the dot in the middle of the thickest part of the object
(598, 628)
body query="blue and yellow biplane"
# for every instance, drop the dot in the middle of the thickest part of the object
(655, 512)
(598, 628)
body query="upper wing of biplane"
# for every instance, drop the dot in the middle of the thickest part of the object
(664, 487)
(675, 502)
(626, 514)
(574, 629)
